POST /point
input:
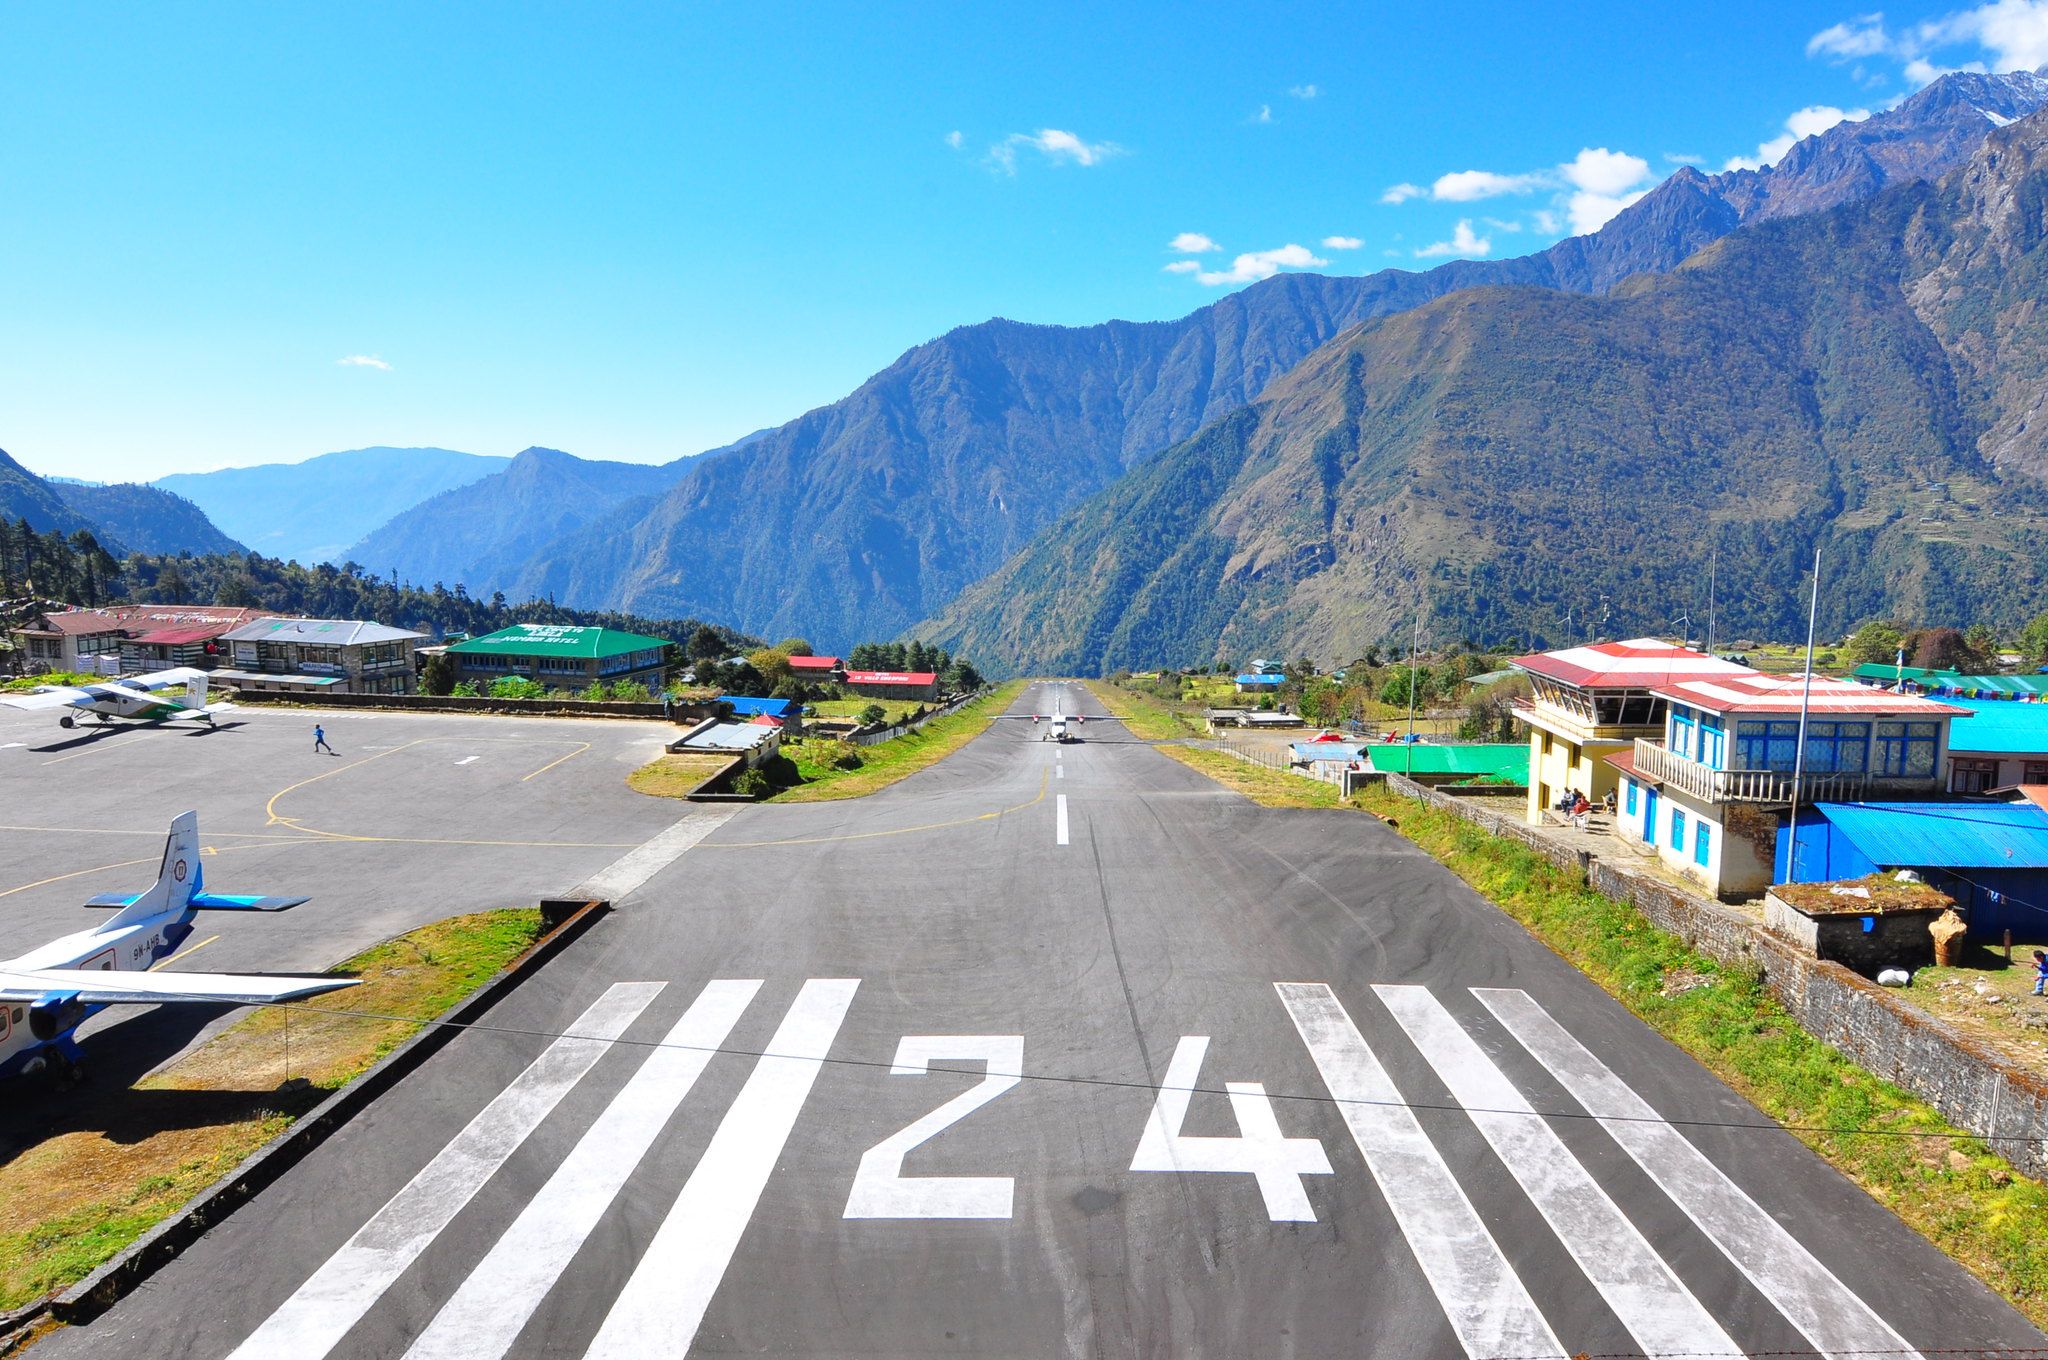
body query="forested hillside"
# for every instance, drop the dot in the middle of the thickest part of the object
(866, 515)
(1861, 379)
(52, 567)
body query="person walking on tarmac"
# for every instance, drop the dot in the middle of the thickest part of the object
(320, 741)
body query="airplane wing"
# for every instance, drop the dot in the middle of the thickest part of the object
(203, 713)
(52, 696)
(206, 901)
(94, 987)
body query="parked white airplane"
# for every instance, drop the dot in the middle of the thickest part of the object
(146, 697)
(46, 993)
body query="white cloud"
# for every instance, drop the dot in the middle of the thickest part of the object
(2009, 35)
(1547, 222)
(1590, 211)
(363, 361)
(1401, 193)
(1600, 171)
(1342, 242)
(1499, 224)
(1303, 91)
(1462, 242)
(1056, 145)
(1262, 264)
(1469, 186)
(1862, 36)
(1684, 158)
(1264, 115)
(1192, 243)
(955, 138)
(1183, 266)
(1810, 121)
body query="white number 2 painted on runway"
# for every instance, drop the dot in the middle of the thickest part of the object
(881, 1190)
(1259, 1150)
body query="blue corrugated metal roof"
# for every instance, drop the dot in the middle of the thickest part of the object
(744, 706)
(1945, 835)
(1273, 680)
(1999, 725)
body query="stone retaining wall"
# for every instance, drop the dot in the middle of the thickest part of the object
(1974, 1087)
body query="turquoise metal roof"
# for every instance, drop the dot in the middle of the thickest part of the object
(1945, 835)
(2004, 725)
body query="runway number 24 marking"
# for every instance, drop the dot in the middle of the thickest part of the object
(1276, 1162)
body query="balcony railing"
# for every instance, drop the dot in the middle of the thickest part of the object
(1710, 785)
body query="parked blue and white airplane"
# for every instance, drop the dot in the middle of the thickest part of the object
(47, 993)
(149, 698)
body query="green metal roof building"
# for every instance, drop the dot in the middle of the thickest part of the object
(1486, 763)
(561, 654)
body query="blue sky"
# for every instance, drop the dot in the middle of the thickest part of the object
(641, 231)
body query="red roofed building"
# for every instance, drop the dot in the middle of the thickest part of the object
(919, 685)
(1594, 701)
(130, 638)
(818, 667)
(1709, 792)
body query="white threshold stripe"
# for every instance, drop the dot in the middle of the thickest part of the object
(1060, 819)
(1487, 1304)
(1658, 1310)
(486, 1315)
(644, 861)
(309, 1323)
(1824, 1309)
(664, 1301)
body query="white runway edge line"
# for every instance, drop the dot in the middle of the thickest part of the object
(1658, 1310)
(309, 1323)
(485, 1316)
(1060, 820)
(644, 861)
(659, 1310)
(1824, 1309)
(1487, 1305)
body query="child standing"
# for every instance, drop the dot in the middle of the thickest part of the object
(2040, 972)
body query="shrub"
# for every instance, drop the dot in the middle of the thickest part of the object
(465, 690)
(752, 784)
(872, 715)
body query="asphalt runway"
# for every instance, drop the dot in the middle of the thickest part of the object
(1056, 1051)
(415, 818)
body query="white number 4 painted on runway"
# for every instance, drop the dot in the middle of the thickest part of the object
(881, 1190)
(1259, 1150)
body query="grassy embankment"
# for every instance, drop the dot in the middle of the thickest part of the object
(893, 710)
(1947, 1185)
(102, 1166)
(886, 762)
(30, 682)
(675, 775)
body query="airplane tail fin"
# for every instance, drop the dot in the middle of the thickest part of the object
(176, 881)
(195, 691)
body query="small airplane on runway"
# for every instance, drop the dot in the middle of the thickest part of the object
(1061, 723)
(47, 993)
(147, 698)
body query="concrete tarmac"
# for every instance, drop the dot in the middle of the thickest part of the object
(1068, 1052)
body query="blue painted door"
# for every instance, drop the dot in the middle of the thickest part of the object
(1650, 816)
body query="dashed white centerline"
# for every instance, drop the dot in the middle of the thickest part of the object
(1060, 817)
(1059, 772)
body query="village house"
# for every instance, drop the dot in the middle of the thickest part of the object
(1710, 792)
(334, 656)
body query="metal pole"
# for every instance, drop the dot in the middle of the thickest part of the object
(1713, 566)
(1799, 752)
(1414, 640)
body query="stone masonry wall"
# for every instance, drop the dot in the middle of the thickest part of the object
(1875, 1027)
